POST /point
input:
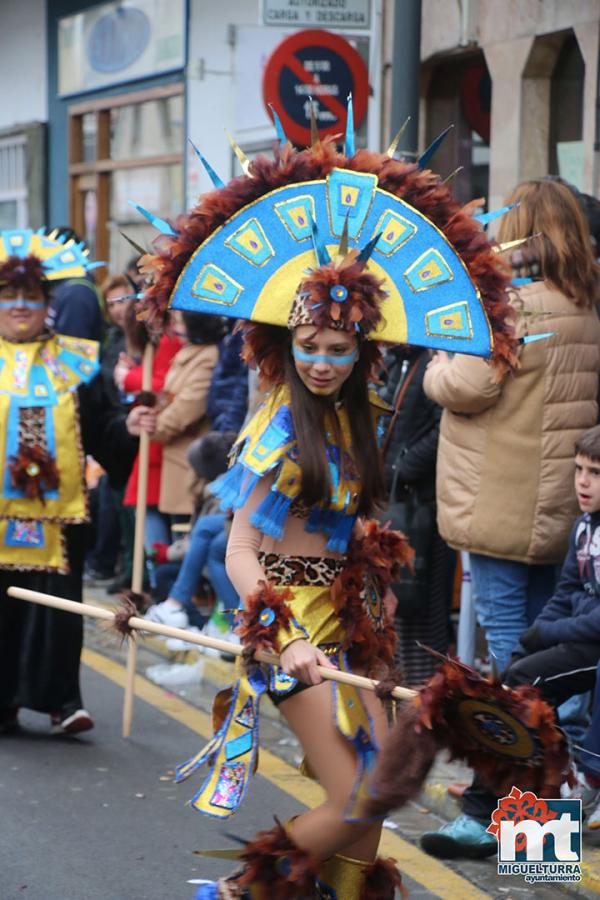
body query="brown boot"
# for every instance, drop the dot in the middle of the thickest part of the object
(343, 878)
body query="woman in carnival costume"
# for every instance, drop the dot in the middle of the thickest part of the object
(393, 258)
(53, 410)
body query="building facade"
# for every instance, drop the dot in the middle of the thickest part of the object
(111, 95)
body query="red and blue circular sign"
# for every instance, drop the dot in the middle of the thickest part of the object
(321, 65)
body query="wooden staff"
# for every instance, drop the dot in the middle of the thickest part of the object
(137, 574)
(139, 624)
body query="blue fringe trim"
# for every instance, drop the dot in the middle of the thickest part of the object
(235, 486)
(271, 515)
(207, 892)
(339, 537)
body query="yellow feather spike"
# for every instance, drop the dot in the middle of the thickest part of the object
(394, 145)
(452, 175)
(219, 854)
(243, 159)
(314, 131)
(508, 245)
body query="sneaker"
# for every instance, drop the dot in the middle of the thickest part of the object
(464, 837)
(9, 720)
(177, 674)
(167, 613)
(94, 576)
(74, 723)
(592, 817)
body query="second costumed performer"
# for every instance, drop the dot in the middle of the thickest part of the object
(393, 258)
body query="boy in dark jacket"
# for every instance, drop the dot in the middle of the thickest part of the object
(559, 653)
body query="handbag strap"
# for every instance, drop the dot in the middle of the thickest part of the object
(399, 400)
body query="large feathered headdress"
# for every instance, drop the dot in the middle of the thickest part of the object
(355, 240)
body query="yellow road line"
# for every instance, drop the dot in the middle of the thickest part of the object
(424, 869)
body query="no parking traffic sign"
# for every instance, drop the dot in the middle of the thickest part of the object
(320, 65)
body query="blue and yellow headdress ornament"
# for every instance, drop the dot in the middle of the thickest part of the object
(28, 258)
(354, 240)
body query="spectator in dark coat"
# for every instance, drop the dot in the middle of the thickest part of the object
(228, 393)
(410, 450)
(76, 305)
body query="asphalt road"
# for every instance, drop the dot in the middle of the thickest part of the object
(89, 818)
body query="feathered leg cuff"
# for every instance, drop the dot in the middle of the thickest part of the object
(267, 621)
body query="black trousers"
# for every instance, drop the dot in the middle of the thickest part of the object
(575, 663)
(40, 647)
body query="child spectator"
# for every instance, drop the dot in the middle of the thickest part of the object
(558, 653)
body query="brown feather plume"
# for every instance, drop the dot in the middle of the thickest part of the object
(33, 471)
(276, 864)
(433, 721)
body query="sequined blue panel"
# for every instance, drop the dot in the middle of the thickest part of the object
(247, 716)
(228, 792)
(24, 534)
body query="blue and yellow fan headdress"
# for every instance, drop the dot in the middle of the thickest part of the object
(249, 247)
(28, 256)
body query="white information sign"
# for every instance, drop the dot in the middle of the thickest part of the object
(332, 14)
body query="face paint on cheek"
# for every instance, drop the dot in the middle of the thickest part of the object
(21, 304)
(345, 360)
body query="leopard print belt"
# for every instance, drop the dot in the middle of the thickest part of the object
(319, 571)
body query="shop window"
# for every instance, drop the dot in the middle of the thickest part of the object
(13, 183)
(128, 147)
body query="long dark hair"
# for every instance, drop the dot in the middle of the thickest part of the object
(309, 413)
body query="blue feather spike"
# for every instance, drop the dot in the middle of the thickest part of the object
(486, 218)
(158, 223)
(218, 182)
(433, 147)
(365, 254)
(341, 533)
(530, 338)
(271, 515)
(349, 146)
(281, 135)
(323, 257)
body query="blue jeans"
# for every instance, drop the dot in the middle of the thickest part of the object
(508, 597)
(226, 593)
(208, 543)
(590, 761)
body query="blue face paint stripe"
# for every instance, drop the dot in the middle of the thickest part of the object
(22, 304)
(331, 360)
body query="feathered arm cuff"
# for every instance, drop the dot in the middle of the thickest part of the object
(383, 552)
(266, 621)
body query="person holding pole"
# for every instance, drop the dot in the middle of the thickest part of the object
(321, 254)
(53, 410)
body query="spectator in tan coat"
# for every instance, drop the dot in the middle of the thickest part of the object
(504, 485)
(180, 414)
